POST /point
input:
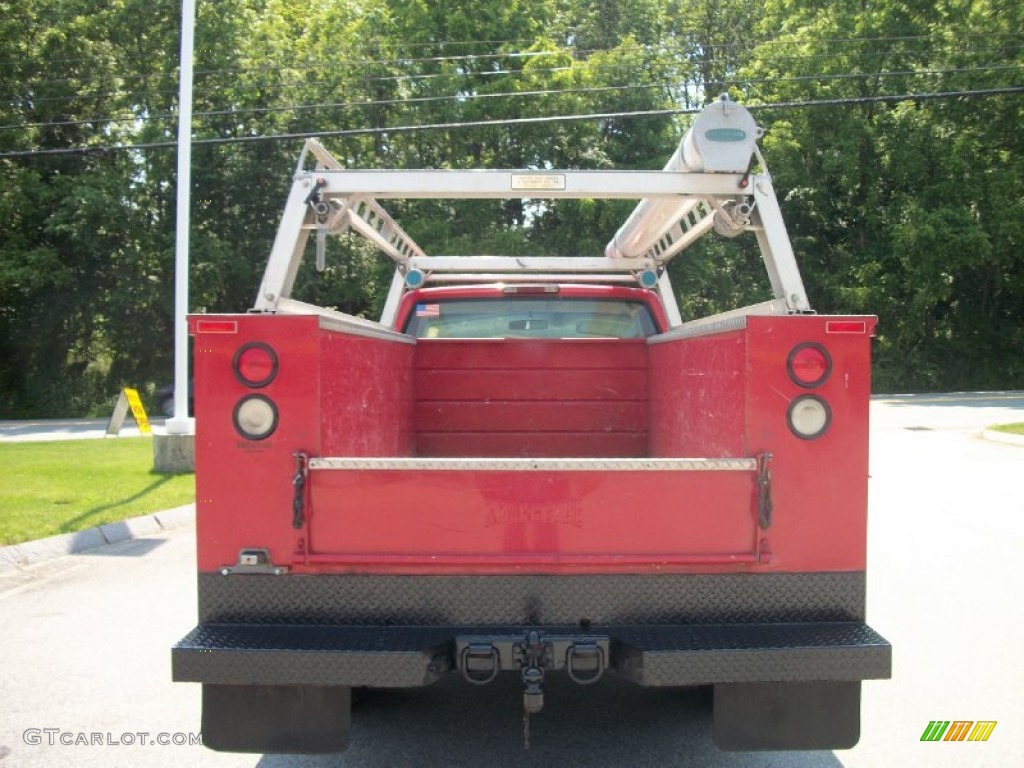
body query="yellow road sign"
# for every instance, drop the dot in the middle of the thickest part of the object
(128, 400)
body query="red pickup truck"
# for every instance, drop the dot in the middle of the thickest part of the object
(534, 466)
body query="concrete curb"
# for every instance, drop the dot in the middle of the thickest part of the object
(32, 552)
(1003, 437)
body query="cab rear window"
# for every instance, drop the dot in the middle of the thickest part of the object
(553, 317)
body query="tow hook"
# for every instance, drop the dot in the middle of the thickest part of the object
(479, 663)
(585, 663)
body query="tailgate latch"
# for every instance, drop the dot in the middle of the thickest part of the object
(299, 484)
(764, 491)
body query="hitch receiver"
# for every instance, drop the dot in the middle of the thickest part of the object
(532, 654)
(479, 658)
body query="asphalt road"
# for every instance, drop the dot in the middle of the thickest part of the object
(84, 650)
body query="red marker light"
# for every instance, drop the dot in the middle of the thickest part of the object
(809, 364)
(846, 326)
(255, 364)
(217, 326)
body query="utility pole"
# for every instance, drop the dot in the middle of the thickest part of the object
(176, 453)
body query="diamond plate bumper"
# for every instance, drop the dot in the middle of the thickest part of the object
(746, 653)
(316, 655)
(649, 655)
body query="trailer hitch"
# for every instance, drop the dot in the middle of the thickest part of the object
(532, 654)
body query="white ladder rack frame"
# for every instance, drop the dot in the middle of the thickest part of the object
(348, 199)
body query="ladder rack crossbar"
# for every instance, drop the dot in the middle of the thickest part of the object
(574, 265)
(501, 184)
(540, 277)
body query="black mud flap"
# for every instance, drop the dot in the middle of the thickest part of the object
(778, 716)
(294, 719)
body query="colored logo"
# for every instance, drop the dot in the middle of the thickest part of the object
(725, 134)
(958, 730)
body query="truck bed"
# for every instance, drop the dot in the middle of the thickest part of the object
(531, 398)
(535, 455)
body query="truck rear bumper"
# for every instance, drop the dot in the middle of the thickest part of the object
(680, 655)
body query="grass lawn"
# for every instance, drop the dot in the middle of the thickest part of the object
(1013, 429)
(67, 486)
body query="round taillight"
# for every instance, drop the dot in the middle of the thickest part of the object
(255, 417)
(255, 364)
(809, 364)
(809, 417)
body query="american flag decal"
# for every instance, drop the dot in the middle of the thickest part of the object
(428, 310)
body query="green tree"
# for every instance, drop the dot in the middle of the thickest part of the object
(905, 207)
(895, 206)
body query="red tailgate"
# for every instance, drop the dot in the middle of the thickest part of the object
(533, 512)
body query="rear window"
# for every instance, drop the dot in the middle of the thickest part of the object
(549, 317)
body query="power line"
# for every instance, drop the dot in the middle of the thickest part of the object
(852, 101)
(887, 38)
(474, 57)
(350, 104)
(737, 81)
(299, 83)
(369, 41)
(805, 58)
(773, 41)
(468, 57)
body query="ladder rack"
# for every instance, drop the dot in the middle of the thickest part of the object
(707, 184)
